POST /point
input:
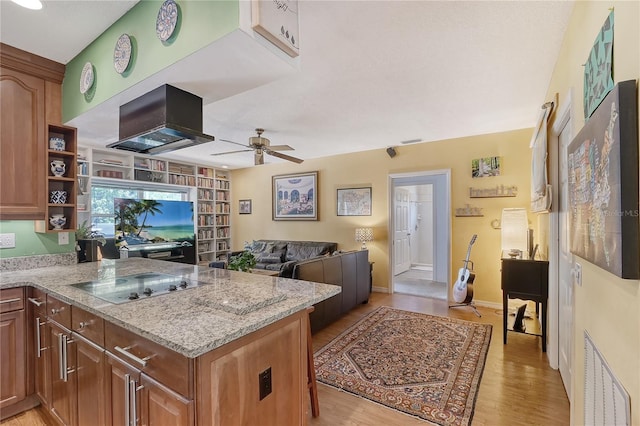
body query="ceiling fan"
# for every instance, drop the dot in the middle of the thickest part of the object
(261, 146)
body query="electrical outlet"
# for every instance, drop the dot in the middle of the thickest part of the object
(265, 383)
(8, 240)
(578, 274)
(63, 238)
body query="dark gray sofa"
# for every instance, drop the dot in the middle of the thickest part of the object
(282, 255)
(350, 270)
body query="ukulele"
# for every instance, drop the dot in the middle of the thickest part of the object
(463, 287)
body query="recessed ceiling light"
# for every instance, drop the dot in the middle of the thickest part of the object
(29, 4)
(225, 167)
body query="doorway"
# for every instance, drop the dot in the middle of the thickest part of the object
(420, 233)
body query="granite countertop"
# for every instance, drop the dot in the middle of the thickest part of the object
(191, 321)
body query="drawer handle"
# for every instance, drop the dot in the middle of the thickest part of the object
(125, 352)
(17, 299)
(55, 311)
(36, 301)
(82, 325)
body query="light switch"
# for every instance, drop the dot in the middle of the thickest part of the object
(63, 238)
(578, 274)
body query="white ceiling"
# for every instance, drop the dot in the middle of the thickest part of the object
(371, 73)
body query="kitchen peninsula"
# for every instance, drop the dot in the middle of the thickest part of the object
(220, 347)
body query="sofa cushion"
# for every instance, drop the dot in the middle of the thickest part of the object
(269, 258)
(302, 250)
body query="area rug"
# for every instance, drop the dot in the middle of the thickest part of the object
(423, 365)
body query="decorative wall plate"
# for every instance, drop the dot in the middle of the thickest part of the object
(167, 20)
(122, 53)
(86, 78)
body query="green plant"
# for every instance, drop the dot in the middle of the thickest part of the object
(84, 232)
(242, 262)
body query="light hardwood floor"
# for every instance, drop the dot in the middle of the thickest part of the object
(518, 388)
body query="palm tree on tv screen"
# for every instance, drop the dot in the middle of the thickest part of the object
(146, 207)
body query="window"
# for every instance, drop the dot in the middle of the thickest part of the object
(102, 213)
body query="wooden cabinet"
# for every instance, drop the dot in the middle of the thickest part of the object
(12, 347)
(138, 399)
(38, 347)
(30, 96)
(77, 366)
(63, 385)
(22, 146)
(229, 378)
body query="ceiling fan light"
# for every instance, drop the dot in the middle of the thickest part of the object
(29, 4)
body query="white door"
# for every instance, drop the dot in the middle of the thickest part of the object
(565, 263)
(401, 232)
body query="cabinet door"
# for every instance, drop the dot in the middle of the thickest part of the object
(12, 354)
(160, 405)
(119, 376)
(41, 355)
(91, 379)
(22, 146)
(63, 385)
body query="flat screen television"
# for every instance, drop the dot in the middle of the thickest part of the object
(153, 222)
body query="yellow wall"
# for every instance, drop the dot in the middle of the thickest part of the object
(372, 168)
(605, 306)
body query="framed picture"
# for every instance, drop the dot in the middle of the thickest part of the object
(602, 163)
(483, 167)
(295, 196)
(277, 21)
(245, 207)
(354, 202)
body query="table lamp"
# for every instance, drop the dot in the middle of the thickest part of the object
(363, 235)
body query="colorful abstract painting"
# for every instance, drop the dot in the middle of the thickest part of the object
(598, 78)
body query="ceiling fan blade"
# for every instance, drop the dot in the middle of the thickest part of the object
(231, 152)
(280, 148)
(284, 156)
(259, 157)
(235, 143)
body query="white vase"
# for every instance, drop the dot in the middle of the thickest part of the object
(58, 168)
(57, 221)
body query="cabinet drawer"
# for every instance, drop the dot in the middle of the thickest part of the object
(59, 311)
(162, 364)
(88, 325)
(37, 300)
(11, 299)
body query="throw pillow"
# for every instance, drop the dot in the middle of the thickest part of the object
(269, 258)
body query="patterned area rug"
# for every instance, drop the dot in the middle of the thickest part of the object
(423, 365)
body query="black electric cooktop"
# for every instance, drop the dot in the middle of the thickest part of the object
(135, 287)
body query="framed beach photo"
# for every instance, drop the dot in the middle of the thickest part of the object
(244, 207)
(354, 202)
(295, 196)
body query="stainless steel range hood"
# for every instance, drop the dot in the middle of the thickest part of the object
(163, 120)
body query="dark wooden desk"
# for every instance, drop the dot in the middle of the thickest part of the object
(525, 279)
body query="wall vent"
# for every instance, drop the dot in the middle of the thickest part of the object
(606, 402)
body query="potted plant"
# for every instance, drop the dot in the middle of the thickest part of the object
(242, 262)
(87, 242)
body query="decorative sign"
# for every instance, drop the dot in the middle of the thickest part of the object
(277, 21)
(598, 80)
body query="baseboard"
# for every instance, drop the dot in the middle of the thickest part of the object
(486, 304)
(380, 289)
(28, 403)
